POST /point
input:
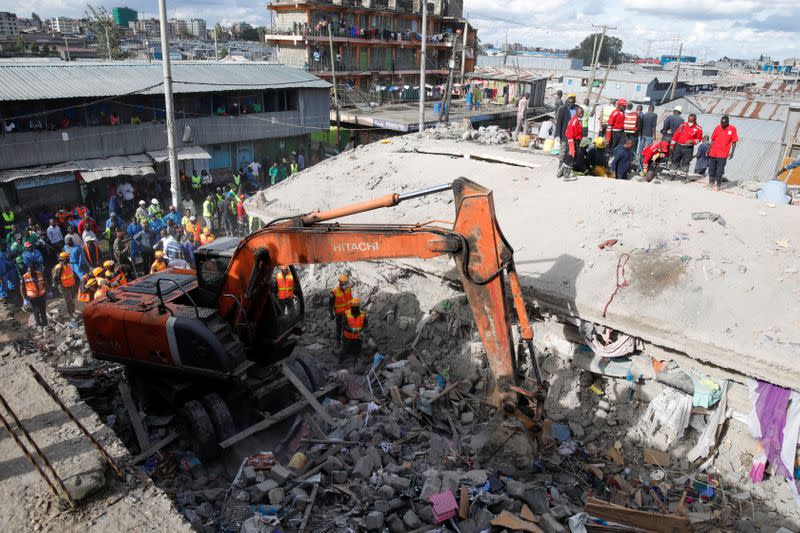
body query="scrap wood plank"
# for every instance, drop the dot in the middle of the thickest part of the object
(136, 420)
(655, 457)
(310, 398)
(154, 448)
(649, 521)
(514, 523)
(273, 419)
(310, 506)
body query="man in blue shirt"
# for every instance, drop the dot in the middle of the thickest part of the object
(790, 166)
(134, 228)
(621, 164)
(171, 214)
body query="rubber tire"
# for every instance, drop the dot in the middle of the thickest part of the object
(201, 435)
(220, 416)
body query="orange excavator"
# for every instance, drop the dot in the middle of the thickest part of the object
(221, 327)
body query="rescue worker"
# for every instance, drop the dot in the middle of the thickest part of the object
(154, 209)
(237, 178)
(573, 135)
(34, 290)
(294, 168)
(284, 283)
(615, 132)
(76, 258)
(91, 250)
(114, 273)
(683, 142)
(206, 237)
(64, 278)
(194, 227)
(339, 303)
(160, 263)
(87, 293)
(32, 257)
(596, 159)
(102, 288)
(141, 214)
(652, 155)
(8, 221)
(355, 322)
(208, 211)
(197, 184)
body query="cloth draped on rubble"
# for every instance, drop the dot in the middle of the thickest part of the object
(775, 421)
(350, 386)
(670, 411)
(708, 436)
(607, 342)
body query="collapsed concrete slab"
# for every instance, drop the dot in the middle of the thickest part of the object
(725, 294)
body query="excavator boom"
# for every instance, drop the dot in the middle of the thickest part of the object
(482, 255)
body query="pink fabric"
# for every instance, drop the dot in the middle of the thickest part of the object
(444, 506)
(771, 411)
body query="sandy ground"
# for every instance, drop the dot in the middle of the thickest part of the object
(725, 295)
(28, 504)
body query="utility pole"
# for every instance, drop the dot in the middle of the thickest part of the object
(66, 45)
(423, 63)
(108, 44)
(216, 50)
(505, 50)
(464, 51)
(335, 90)
(596, 56)
(445, 116)
(674, 84)
(172, 155)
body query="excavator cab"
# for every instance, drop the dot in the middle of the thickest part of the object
(267, 330)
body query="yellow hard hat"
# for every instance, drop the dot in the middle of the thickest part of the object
(63, 255)
(91, 283)
(207, 231)
(355, 302)
(102, 282)
(599, 142)
(343, 278)
(109, 273)
(159, 254)
(572, 95)
(108, 263)
(98, 271)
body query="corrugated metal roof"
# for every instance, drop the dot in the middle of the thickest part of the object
(184, 153)
(758, 150)
(751, 106)
(90, 169)
(506, 73)
(43, 81)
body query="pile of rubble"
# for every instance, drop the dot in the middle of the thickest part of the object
(464, 132)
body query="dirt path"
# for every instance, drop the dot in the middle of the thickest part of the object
(130, 505)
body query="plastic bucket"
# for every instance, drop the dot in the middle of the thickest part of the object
(548, 145)
(524, 140)
(437, 108)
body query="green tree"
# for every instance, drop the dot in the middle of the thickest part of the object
(45, 50)
(612, 49)
(223, 52)
(250, 34)
(218, 31)
(34, 47)
(101, 23)
(20, 45)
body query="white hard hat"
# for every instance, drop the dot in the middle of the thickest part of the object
(154, 201)
(678, 108)
(142, 202)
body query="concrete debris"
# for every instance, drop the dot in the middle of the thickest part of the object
(465, 132)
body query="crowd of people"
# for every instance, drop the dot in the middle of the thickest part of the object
(82, 259)
(628, 142)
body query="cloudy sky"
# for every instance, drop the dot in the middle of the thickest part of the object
(709, 29)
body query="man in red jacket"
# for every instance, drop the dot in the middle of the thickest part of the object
(651, 156)
(723, 145)
(573, 135)
(615, 132)
(685, 138)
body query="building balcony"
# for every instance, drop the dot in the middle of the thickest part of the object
(43, 147)
(399, 6)
(311, 37)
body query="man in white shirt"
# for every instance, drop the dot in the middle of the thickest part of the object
(54, 235)
(255, 168)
